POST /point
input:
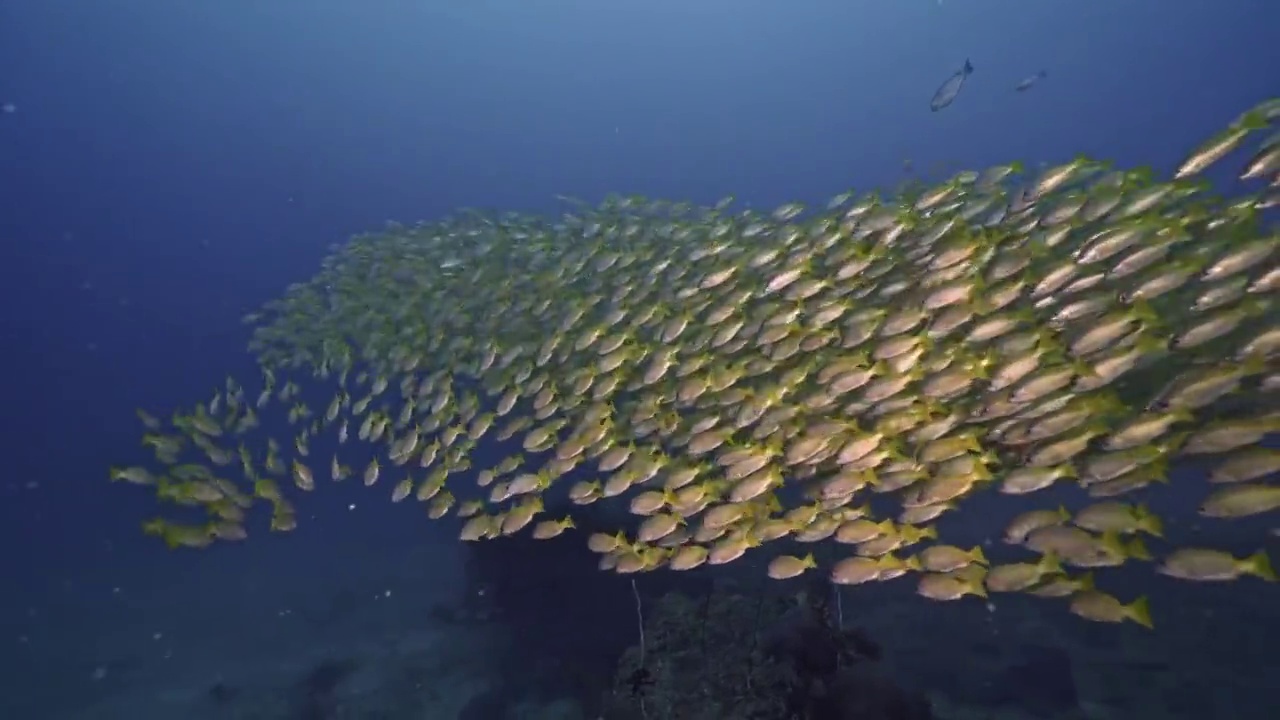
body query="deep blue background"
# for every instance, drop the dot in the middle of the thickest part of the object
(171, 165)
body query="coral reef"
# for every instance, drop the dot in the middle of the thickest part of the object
(754, 656)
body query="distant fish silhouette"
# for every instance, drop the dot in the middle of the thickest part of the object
(951, 88)
(1026, 84)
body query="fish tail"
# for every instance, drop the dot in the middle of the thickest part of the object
(1139, 612)
(1086, 582)
(1259, 564)
(977, 587)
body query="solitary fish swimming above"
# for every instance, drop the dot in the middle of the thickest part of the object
(1029, 81)
(951, 88)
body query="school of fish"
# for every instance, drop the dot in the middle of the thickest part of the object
(734, 378)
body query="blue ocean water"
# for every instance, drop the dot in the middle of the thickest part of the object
(167, 167)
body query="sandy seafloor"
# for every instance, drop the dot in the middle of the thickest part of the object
(153, 644)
